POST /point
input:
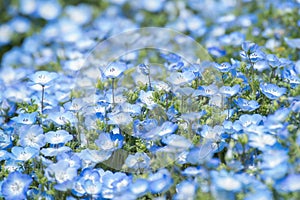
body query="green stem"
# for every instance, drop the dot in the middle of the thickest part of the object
(113, 92)
(42, 101)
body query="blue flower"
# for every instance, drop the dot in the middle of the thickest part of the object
(15, 186)
(139, 187)
(114, 184)
(49, 10)
(120, 118)
(206, 91)
(230, 91)
(246, 105)
(5, 140)
(186, 190)
(58, 137)
(147, 98)
(109, 142)
(24, 153)
(138, 161)
(289, 184)
(25, 118)
(62, 118)
(165, 129)
(73, 159)
(114, 70)
(43, 78)
(160, 182)
(62, 174)
(32, 136)
(181, 78)
(272, 91)
(293, 43)
(4, 155)
(142, 127)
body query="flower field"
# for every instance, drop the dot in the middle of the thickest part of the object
(160, 99)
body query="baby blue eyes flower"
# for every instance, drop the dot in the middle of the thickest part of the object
(293, 43)
(24, 153)
(289, 184)
(147, 98)
(25, 118)
(114, 70)
(246, 105)
(58, 137)
(230, 91)
(224, 67)
(272, 91)
(186, 190)
(15, 186)
(160, 181)
(181, 78)
(138, 161)
(109, 142)
(43, 78)
(32, 136)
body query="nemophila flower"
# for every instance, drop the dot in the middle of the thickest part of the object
(160, 181)
(114, 70)
(147, 98)
(251, 52)
(261, 65)
(89, 158)
(25, 118)
(206, 91)
(139, 187)
(5, 140)
(171, 57)
(74, 105)
(229, 91)
(73, 159)
(23, 153)
(81, 14)
(32, 136)
(234, 38)
(61, 118)
(109, 142)
(202, 153)
(4, 155)
(54, 151)
(181, 78)
(43, 78)
(186, 190)
(246, 105)
(58, 137)
(212, 133)
(273, 61)
(258, 138)
(177, 142)
(133, 109)
(289, 184)
(165, 129)
(246, 121)
(138, 161)
(144, 69)
(120, 118)
(88, 183)
(153, 6)
(293, 43)
(274, 164)
(272, 91)
(161, 86)
(62, 174)
(114, 184)
(142, 127)
(224, 67)
(216, 51)
(16, 185)
(276, 120)
(20, 24)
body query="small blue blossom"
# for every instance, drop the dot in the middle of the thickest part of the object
(160, 181)
(138, 161)
(246, 105)
(16, 185)
(43, 78)
(272, 91)
(25, 118)
(32, 136)
(229, 91)
(24, 153)
(58, 137)
(109, 142)
(139, 187)
(224, 67)
(181, 78)
(186, 190)
(114, 70)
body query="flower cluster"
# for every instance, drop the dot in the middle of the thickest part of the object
(150, 124)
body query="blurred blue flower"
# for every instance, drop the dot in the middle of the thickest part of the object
(147, 98)
(5, 140)
(206, 91)
(73, 159)
(293, 43)
(81, 13)
(186, 190)
(289, 184)
(114, 184)
(109, 142)
(58, 137)
(61, 118)
(49, 9)
(4, 155)
(246, 105)
(229, 91)
(272, 91)
(15, 186)
(32, 136)
(120, 118)
(43, 78)
(181, 78)
(139, 161)
(139, 187)
(160, 181)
